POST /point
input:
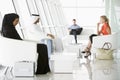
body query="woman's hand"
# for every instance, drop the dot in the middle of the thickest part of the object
(98, 32)
(98, 24)
(50, 35)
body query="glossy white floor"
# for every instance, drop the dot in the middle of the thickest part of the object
(83, 69)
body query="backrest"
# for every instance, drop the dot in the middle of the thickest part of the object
(87, 31)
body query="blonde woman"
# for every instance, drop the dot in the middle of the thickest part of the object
(105, 30)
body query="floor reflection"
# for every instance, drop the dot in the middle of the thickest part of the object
(23, 78)
(105, 70)
(98, 70)
(83, 69)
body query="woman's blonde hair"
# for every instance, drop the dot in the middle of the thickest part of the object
(105, 18)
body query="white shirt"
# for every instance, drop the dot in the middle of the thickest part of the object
(74, 27)
(35, 33)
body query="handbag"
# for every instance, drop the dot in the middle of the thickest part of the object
(105, 53)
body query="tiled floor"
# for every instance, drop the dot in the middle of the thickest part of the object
(84, 69)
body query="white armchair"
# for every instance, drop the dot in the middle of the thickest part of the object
(12, 51)
(99, 41)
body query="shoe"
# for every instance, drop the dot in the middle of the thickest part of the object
(87, 50)
(88, 54)
(83, 52)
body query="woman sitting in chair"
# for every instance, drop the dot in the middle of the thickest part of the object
(105, 30)
(9, 31)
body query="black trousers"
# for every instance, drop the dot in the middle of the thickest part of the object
(76, 32)
(91, 37)
(75, 36)
(43, 61)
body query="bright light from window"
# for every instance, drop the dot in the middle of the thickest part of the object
(74, 3)
(86, 12)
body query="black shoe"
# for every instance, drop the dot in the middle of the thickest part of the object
(83, 52)
(87, 50)
(88, 54)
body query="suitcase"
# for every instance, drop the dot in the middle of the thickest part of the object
(24, 69)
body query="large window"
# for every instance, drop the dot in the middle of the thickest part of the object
(47, 12)
(86, 12)
(32, 7)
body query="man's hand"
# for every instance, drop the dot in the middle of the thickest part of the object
(50, 35)
(98, 24)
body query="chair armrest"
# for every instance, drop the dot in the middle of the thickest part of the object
(99, 41)
(16, 50)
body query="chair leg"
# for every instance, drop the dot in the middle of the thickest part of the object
(11, 71)
(94, 57)
(5, 70)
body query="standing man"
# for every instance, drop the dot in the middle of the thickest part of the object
(75, 30)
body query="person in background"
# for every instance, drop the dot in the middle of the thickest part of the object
(75, 30)
(36, 22)
(8, 30)
(105, 30)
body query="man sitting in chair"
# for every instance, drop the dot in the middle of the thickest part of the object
(75, 30)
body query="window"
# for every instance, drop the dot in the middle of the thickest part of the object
(51, 12)
(59, 32)
(32, 7)
(56, 21)
(24, 14)
(52, 29)
(86, 12)
(47, 13)
(18, 27)
(41, 12)
(47, 30)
